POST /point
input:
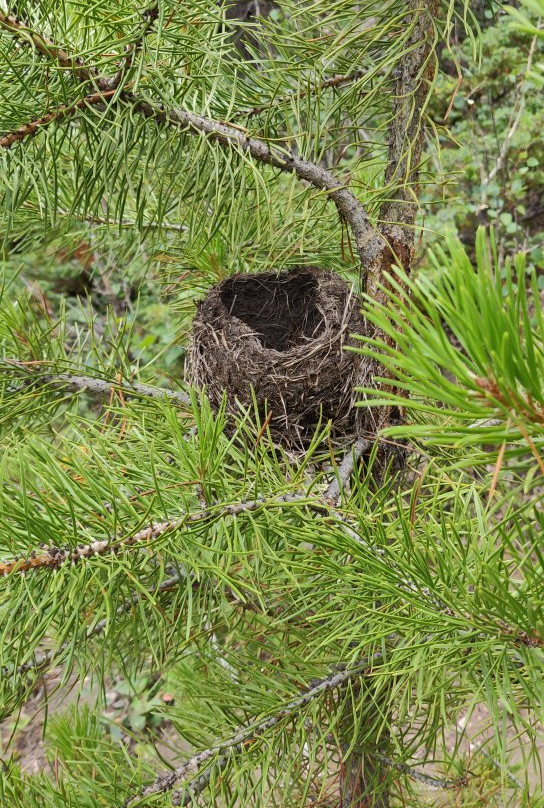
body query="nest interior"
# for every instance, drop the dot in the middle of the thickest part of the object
(284, 336)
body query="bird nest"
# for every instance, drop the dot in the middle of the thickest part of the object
(283, 337)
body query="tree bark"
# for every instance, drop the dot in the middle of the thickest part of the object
(363, 782)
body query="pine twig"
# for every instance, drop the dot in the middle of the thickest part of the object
(32, 128)
(55, 557)
(335, 81)
(244, 736)
(415, 774)
(47, 47)
(347, 204)
(78, 383)
(61, 55)
(345, 469)
(48, 658)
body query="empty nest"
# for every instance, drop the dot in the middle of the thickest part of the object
(283, 335)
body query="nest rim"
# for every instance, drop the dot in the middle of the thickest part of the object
(311, 380)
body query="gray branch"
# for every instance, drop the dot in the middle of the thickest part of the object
(77, 383)
(48, 658)
(348, 206)
(345, 469)
(234, 745)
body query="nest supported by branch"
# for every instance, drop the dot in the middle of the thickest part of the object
(283, 335)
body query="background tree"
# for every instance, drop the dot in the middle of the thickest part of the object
(284, 634)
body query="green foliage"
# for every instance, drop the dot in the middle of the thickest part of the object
(199, 559)
(468, 349)
(491, 154)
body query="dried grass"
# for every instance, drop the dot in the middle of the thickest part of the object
(283, 335)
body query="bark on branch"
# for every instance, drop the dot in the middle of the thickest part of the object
(32, 128)
(347, 204)
(47, 47)
(349, 207)
(220, 755)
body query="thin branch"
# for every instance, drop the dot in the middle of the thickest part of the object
(130, 389)
(150, 15)
(55, 557)
(517, 113)
(336, 81)
(244, 736)
(60, 113)
(89, 217)
(345, 470)
(414, 75)
(47, 47)
(59, 54)
(348, 206)
(415, 774)
(48, 658)
(77, 383)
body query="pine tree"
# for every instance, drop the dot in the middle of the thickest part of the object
(328, 631)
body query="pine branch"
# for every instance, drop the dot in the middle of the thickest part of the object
(47, 47)
(415, 774)
(61, 55)
(335, 81)
(345, 469)
(89, 384)
(348, 206)
(33, 128)
(47, 659)
(244, 736)
(55, 557)
(229, 136)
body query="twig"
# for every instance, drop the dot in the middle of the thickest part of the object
(89, 217)
(347, 204)
(336, 81)
(411, 771)
(48, 658)
(77, 383)
(349, 207)
(59, 54)
(345, 469)
(413, 78)
(516, 116)
(55, 557)
(245, 735)
(60, 113)
(47, 47)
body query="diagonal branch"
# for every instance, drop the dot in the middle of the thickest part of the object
(75, 64)
(55, 557)
(75, 383)
(47, 659)
(339, 80)
(237, 743)
(32, 128)
(47, 47)
(229, 136)
(347, 204)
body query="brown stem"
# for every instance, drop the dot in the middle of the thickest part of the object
(60, 113)
(413, 78)
(349, 207)
(47, 47)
